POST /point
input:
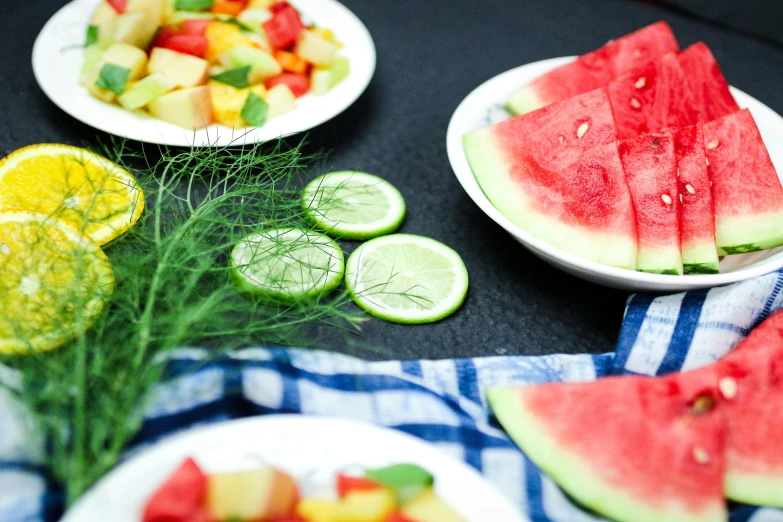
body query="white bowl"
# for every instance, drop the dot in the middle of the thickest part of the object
(311, 449)
(57, 59)
(484, 106)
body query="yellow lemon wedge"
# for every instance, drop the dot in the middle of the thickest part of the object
(54, 282)
(98, 197)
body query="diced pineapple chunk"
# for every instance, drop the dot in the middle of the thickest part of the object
(367, 506)
(317, 510)
(260, 4)
(280, 100)
(183, 69)
(329, 35)
(315, 48)
(223, 36)
(427, 507)
(188, 108)
(135, 29)
(128, 56)
(228, 103)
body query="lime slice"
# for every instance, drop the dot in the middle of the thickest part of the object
(287, 264)
(407, 279)
(353, 205)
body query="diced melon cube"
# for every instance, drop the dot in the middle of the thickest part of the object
(128, 56)
(189, 108)
(341, 68)
(280, 100)
(182, 69)
(144, 91)
(427, 507)
(105, 18)
(99, 92)
(262, 64)
(329, 35)
(228, 102)
(221, 37)
(135, 29)
(315, 48)
(367, 506)
(262, 494)
(152, 8)
(321, 81)
(92, 55)
(177, 17)
(253, 18)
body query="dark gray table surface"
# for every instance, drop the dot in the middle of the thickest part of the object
(431, 54)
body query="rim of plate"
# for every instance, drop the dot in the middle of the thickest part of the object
(487, 97)
(57, 59)
(223, 446)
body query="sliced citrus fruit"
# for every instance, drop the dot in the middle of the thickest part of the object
(96, 196)
(353, 205)
(407, 279)
(287, 264)
(54, 282)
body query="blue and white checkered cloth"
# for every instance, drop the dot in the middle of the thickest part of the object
(440, 401)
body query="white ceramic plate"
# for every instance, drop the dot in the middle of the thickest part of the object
(57, 58)
(311, 449)
(484, 106)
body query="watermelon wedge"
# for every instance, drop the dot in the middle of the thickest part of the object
(629, 448)
(595, 69)
(697, 210)
(710, 89)
(651, 169)
(747, 191)
(751, 380)
(556, 174)
(652, 98)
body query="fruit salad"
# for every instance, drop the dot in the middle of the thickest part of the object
(193, 63)
(399, 493)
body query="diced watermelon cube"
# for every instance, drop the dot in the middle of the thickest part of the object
(118, 5)
(162, 37)
(397, 516)
(346, 484)
(298, 83)
(278, 6)
(195, 26)
(283, 28)
(181, 498)
(193, 44)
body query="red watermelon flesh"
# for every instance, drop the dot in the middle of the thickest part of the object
(710, 89)
(629, 448)
(697, 210)
(752, 385)
(595, 69)
(652, 98)
(746, 188)
(556, 174)
(651, 169)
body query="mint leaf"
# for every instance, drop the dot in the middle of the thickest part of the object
(92, 35)
(193, 5)
(235, 77)
(114, 78)
(255, 110)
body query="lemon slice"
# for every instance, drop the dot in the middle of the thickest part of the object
(54, 282)
(353, 205)
(96, 196)
(287, 264)
(407, 279)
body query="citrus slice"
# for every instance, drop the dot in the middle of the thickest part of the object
(54, 282)
(287, 264)
(353, 205)
(96, 196)
(407, 279)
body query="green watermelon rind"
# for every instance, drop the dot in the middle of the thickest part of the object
(573, 474)
(755, 489)
(662, 260)
(742, 234)
(700, 258)
(489, 170)
(524, 100)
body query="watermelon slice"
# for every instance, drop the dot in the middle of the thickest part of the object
(747, 191)
(651, 169)
(630, 448)
(595, 69)
(697, 210)
(710, 89)
(652, 98)
(556, 174)
(751, 385)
